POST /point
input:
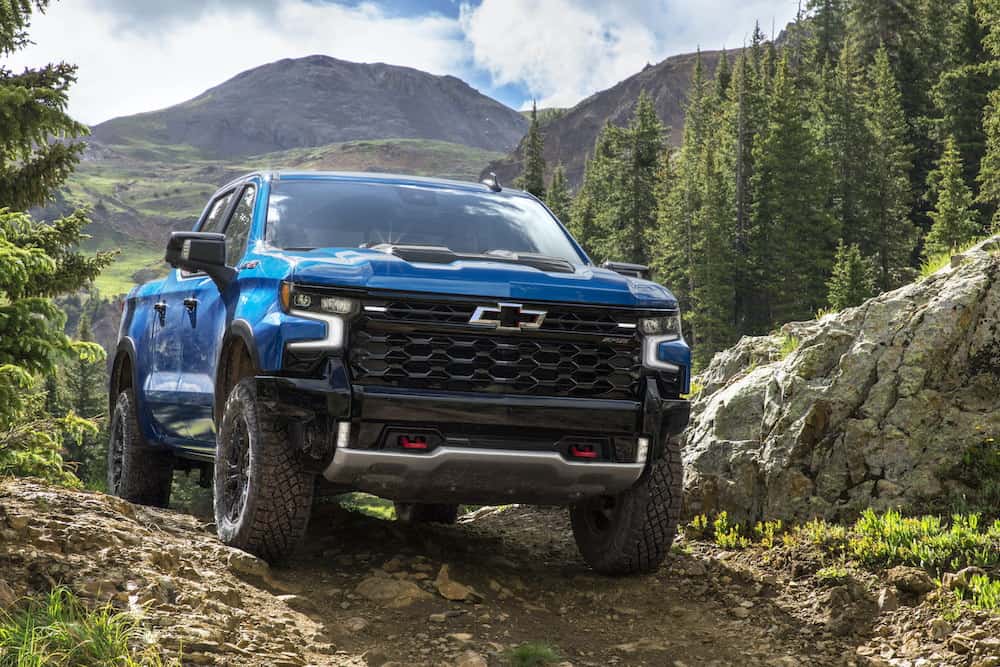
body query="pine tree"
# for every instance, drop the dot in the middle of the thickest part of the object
(86, 379)
(679, 198)
(829, 28)
(557, 198)
(645, 140)
(889, 236)
(793, 234)
(852, 282)
(713, 299)
(591, 207)
(37, 261)
(989, 168)
(533, 178)
(961, 93)
(848, 143)
(955, 222)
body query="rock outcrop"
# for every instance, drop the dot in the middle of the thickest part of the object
(893, 403)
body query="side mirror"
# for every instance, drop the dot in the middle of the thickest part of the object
(631, 270)
(201, 252)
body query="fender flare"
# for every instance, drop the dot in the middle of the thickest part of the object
(124, 350)
(239, 330)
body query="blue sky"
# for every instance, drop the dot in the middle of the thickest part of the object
(140, 55)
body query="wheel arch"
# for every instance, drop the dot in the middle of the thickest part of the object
(123, 371)
(238, 358)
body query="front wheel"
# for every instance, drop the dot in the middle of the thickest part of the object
(262, 496)
(632, 531)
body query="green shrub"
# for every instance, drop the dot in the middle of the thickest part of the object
(891, 539)
(727, 535)
(58, 631)
(789, 344)
(833, 574)
(983, 593)
(532, 654)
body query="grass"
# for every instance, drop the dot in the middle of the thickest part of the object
(934, 263)
(833, 575)
(121, 276)
(532, 654)
(789, 344)
(59, 631)
(364, 503)
(878, 541)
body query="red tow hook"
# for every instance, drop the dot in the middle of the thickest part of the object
(418, 442)
(583, 451)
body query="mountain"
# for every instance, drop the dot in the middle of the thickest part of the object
(316, 101)
(570, 134)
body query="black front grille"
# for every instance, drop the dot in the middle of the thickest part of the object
(584, 366)
(606, 321)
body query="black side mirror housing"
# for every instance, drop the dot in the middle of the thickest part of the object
(201, 252)
(631, 270)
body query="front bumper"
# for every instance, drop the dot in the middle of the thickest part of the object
(481, 448)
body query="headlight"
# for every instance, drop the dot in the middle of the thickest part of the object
(296, 298)
(313, 304)
(667, 327)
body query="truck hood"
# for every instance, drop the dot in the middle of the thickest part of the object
(373, 269)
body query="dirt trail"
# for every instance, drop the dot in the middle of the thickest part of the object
(535, 588)
(371, 592)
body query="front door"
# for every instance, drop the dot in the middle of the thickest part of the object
(206, 315)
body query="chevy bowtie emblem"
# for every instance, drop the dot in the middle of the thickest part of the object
(507, 317)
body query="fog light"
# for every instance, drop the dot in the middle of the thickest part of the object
(643, 452)
(337, 305)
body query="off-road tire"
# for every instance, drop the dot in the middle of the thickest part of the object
(426, 512)
(631, 532)
(267, 511)
(137, 472)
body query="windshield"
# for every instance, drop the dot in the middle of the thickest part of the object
(343, 214)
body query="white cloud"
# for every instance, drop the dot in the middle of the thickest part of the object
(138, 56)
(560, 49)
(565, 50)
(125, 71)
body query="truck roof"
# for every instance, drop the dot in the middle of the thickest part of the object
(371, 177)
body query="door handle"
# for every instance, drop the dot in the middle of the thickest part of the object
(160, 307)
(191, 304)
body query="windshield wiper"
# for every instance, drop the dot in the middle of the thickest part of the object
(442, 255)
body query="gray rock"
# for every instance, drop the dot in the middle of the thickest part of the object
(391, 592)
(940, 629)
(911, 580)
(887, 600)
(875, 408)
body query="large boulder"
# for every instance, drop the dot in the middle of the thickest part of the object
(893, 403)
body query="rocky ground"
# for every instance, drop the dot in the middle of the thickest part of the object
(372, 592)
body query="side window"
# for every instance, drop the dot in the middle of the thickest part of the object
(238, 229)
(216, 213)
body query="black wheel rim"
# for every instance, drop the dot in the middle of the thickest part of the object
(116, 463)
(600, 513)
(236, 481)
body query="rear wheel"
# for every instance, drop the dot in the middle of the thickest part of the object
(137, 472)
(632, 531)
(262, 496)
(426, 512)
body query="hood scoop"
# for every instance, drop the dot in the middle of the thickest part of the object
(429, 254)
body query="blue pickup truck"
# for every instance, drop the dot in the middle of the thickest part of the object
(432, 342)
